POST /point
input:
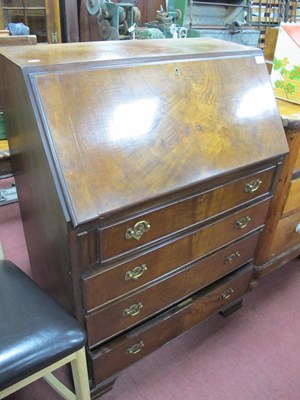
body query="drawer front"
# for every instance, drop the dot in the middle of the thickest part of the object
(293, 198)
(133, 233)
(287, 233)
(184, 250)
(120, 353)
(133, 309)
(297, 164)
(115, 282)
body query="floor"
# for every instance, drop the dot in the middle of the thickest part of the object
(252, 355)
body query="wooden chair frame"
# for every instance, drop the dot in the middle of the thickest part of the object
(79, 372)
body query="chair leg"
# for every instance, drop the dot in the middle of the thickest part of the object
(80, 376)
(59, 387)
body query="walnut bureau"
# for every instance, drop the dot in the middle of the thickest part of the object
(280, 241)
(145, 171)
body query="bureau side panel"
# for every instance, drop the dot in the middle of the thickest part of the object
(43, 217)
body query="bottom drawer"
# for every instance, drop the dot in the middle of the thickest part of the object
(124, 351)
(287, 234)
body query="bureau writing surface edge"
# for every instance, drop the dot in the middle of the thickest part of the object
(144, 172)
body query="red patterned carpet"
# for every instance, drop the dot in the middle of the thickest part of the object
(252, 355)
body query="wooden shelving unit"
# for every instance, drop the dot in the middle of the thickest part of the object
(268, 14)
(42, 17)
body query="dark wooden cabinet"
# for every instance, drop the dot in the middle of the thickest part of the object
(145, 171)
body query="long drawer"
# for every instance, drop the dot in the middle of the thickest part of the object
(122, 352)
(127, 312)
(122, 237)
(109, 284)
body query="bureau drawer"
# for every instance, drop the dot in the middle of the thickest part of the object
(293, 198)
(286, 236)
(124, 351)
(122, 237)
(127, 312)
(297, 164)
(115, 282)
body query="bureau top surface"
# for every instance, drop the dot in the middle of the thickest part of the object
(135, 51)
(169, 115)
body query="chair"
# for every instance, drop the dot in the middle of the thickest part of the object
(37, 336)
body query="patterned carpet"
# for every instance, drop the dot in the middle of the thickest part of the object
(252, 355)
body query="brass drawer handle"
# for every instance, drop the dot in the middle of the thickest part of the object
(243, 222)
(226, 294)
(253, 186)
(230, 259)
(138, 230)
(136, 348)
(133, 310)
(136, 272)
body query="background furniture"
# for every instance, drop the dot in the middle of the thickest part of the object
(64, 20)
(68, 20)
(153, 179)
(268, 15)
(37, 337)
(89, 27)
(42, 17)
(5, 165)
(280, 241)
(270, 45)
